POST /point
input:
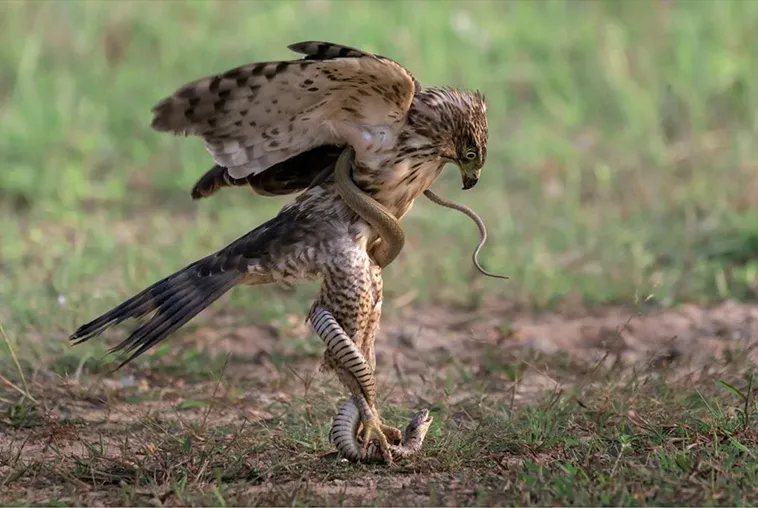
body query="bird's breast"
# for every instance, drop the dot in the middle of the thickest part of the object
(397, 185)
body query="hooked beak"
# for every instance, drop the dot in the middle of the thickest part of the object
(469, 176)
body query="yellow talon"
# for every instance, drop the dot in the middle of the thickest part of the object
(393, 434)
(375, 428)
(385, 434)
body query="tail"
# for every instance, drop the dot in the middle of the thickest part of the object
(175, 300)
(181, 296)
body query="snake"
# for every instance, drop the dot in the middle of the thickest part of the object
(386, 224)
(345, 427)
(343, 434)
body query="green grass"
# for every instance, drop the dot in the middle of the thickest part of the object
(621, 165)
(594, 437)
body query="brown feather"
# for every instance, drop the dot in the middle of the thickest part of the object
(315, 237)
(255, 116)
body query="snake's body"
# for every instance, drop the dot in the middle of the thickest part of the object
(344, 430)
(346, 425)
(355, 409)
(387, 225)
(370, 210)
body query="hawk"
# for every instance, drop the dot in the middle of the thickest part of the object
(277, 126)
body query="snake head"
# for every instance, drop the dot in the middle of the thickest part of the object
(418, 426)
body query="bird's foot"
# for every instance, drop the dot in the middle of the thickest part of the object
(374, 428)
(394, 435)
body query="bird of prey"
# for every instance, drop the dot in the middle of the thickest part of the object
(279, 125)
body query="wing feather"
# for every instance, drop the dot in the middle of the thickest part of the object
(258, 115)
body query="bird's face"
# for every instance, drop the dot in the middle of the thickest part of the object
(470, 161)
(471, 143)
(459, 121)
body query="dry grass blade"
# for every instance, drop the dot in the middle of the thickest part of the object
(25, 392)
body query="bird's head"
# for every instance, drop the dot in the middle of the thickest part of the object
(465, 143)
(471, 140)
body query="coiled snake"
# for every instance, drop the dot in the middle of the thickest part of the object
(352, 411)
(388, 227)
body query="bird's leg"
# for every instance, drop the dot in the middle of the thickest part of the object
(354, 372)
(394, 435)
(382, 254)
(344, 432)
(372, 426)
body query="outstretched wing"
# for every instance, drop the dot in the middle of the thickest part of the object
(259, 115)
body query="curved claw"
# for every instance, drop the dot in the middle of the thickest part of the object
(375, 428)
(393, 434)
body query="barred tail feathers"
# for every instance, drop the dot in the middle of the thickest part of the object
(175, 300)
(178, 298)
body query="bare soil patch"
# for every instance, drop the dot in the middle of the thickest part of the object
(254, 432)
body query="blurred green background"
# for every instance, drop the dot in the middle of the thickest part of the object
(622, 154)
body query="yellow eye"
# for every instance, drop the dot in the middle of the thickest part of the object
(471, 155)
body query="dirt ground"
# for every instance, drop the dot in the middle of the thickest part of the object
(414, 338)
(123, 438)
